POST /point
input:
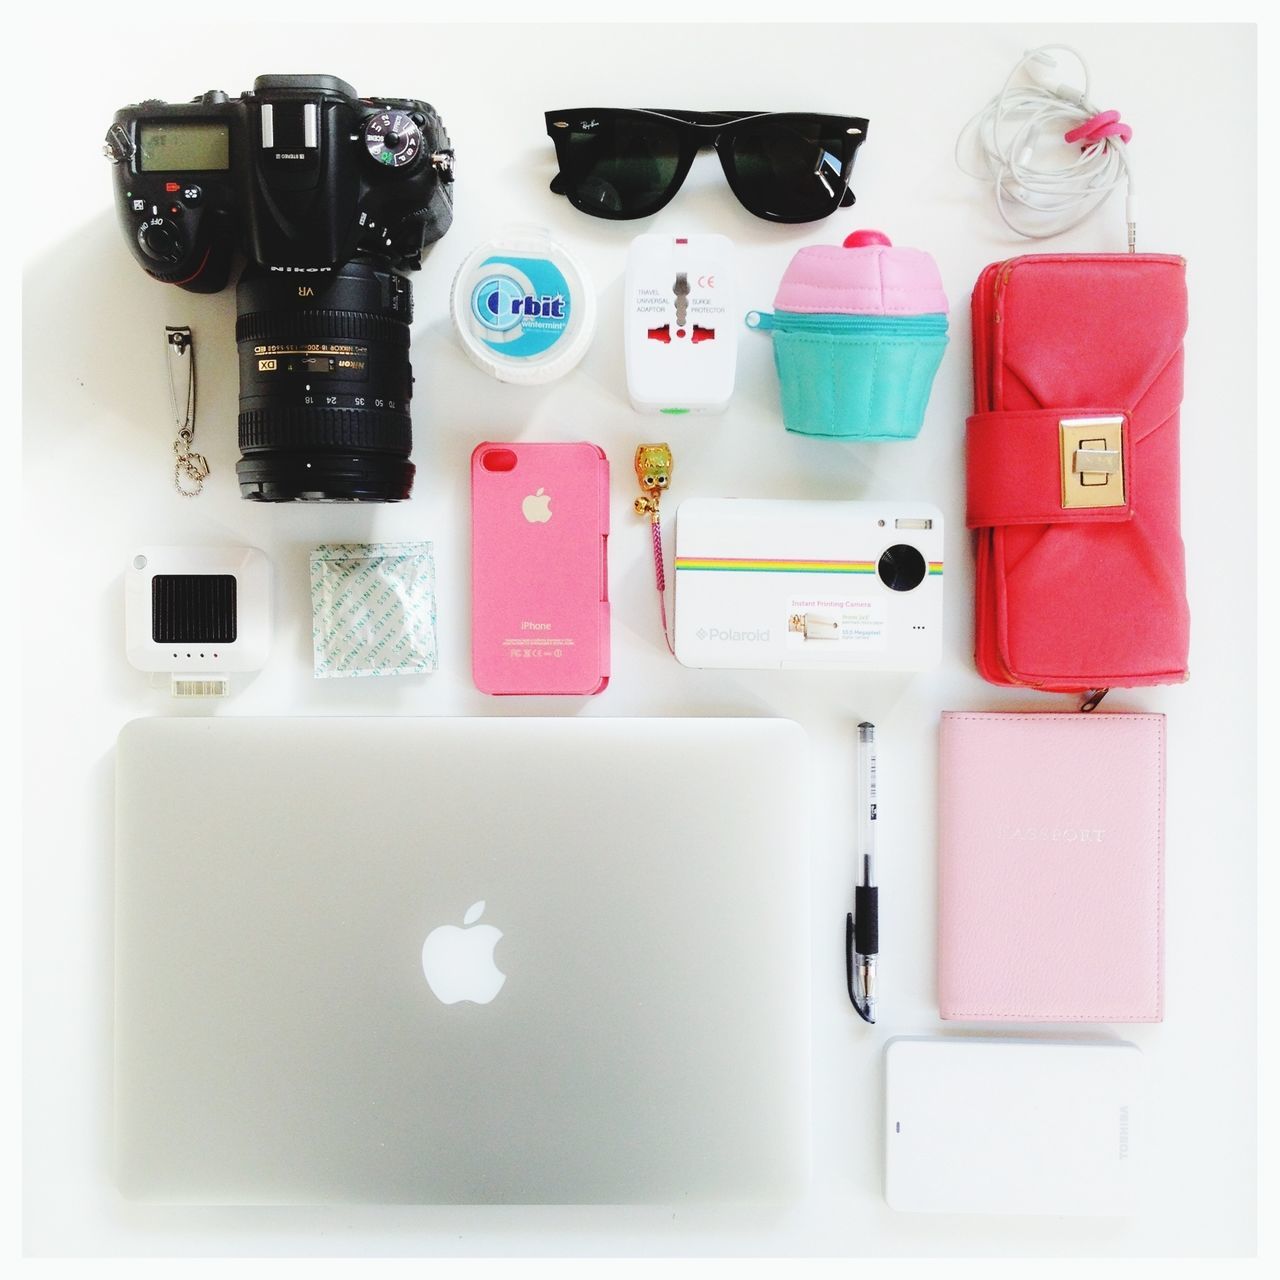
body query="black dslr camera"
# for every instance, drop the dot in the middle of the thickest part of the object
(330, 197)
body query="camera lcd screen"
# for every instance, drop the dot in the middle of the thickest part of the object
(183, 147)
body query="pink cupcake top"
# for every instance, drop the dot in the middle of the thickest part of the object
(864, 276)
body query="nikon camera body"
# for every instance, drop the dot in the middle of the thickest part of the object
(330, 197)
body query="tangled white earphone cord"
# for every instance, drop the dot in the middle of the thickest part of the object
(1036, 197)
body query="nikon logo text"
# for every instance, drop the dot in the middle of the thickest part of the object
(301, 270)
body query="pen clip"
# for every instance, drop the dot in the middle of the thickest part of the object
(848, 958)
(859, 981)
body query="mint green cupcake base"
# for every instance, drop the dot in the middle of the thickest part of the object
(850, 377)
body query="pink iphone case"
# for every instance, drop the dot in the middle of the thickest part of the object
(539, 568)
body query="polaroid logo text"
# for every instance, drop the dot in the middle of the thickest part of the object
(729, 635)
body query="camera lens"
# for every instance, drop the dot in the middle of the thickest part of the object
(902, 568)
(324, 384)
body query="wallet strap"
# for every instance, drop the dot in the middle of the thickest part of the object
(1048, 466)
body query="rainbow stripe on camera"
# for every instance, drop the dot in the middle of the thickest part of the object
(724, 564)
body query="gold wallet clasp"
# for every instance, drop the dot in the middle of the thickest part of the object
(1091, 452)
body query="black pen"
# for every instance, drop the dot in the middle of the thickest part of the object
(862, 925)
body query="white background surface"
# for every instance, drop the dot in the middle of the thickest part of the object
(97, 460)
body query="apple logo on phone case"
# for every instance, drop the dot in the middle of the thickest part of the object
(537, 507)
(458, 962)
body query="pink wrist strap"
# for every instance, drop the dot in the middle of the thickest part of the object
(660, 576)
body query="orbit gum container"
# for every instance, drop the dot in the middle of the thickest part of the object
(523, 307)
(859, 330)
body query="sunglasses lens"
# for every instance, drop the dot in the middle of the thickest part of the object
(790, 166)
(620, 165)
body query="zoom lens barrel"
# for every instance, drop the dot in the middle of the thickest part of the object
(325, 384)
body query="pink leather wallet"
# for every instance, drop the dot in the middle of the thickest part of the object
(1050, 867)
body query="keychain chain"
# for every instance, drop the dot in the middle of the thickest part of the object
(190, 468)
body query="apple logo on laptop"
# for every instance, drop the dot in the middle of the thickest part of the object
(458, 963)
(537, 507)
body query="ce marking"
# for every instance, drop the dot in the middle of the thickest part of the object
(706, 282)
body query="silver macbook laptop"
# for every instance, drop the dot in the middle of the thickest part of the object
(450, 960)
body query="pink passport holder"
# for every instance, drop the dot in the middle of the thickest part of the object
(1050, 867)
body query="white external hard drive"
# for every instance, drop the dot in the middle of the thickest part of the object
(779, 583)
(976, 1125)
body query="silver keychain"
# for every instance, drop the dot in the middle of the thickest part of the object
(190, 468)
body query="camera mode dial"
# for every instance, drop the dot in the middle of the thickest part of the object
(161, 241)
(393, 138)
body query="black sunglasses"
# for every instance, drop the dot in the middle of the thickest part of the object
(783, 166)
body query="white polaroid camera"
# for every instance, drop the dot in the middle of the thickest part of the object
(773, 583)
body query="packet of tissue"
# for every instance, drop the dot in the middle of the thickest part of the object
(373, 609)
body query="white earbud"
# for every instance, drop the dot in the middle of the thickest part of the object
(1043, 69)
(1040, 67)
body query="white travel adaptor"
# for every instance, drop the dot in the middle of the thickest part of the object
(679, 328)
(198, 613)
